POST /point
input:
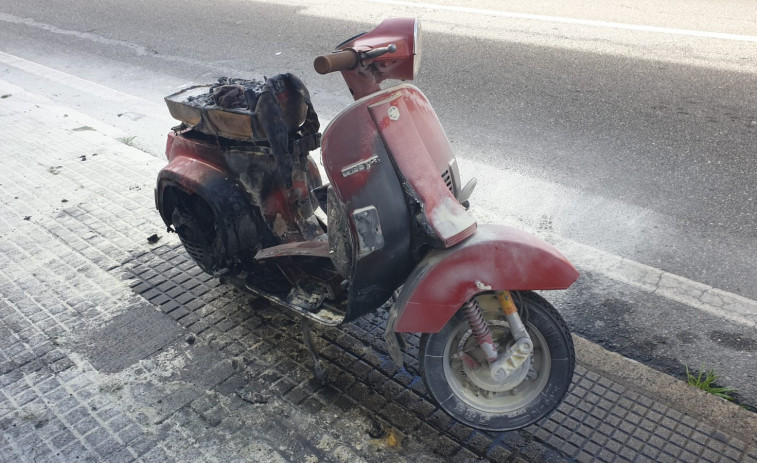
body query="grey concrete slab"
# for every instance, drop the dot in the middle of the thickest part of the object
(128, 338)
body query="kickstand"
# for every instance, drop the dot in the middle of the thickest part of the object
(321, 374)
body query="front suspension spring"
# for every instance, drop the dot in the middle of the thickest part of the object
(480, 329)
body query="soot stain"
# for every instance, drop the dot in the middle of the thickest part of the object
(687, 337)
(734, 341)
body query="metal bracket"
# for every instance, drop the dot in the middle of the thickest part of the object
(369, 235)
(321, 374)
(512, 366)
(394, 341)
(507, 367)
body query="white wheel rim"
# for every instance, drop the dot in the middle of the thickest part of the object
(480, 395)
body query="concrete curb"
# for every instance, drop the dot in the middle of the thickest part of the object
(666, 389)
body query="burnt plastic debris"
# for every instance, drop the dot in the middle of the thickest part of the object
(276, 112)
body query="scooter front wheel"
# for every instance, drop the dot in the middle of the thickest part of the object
(457, 374)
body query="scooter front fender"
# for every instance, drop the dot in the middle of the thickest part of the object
(496, 257)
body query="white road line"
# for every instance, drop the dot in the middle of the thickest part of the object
(138, 50)
(697, 295)
(580, 22)
(83, 85)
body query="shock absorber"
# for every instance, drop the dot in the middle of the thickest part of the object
(481, 331)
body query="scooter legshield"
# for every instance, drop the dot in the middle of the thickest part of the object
(370, 200)
(496, 257)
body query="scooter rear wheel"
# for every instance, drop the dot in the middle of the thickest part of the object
(456, 372)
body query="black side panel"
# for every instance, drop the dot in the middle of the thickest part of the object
(380, 225)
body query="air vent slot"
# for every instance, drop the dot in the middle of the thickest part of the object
(448, 181)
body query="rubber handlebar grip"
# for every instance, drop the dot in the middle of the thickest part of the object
(339, 61)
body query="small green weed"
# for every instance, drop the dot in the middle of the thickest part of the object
(705, 381)
(129, 141)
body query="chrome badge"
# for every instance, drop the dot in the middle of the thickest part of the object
(394, 113)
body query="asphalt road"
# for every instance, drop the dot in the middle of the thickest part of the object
(638, 140)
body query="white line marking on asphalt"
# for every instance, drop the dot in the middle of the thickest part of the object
(138, 50)
(83, 85)
(697, 295)
(580, 22)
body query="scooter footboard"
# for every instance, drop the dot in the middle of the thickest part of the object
(496, 256)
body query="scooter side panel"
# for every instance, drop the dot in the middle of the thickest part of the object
(191, 169)
(411, 133)
(496, 257)
(191, 175)
(428, 127)
(371, 197)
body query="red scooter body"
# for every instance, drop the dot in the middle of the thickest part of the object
(397, 130)
(380, 168)
(241, 192)
(489, 361)
(497, 257)
(373, 162)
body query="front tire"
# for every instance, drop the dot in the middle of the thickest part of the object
(463, 387)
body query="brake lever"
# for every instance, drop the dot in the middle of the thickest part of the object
(376, 52)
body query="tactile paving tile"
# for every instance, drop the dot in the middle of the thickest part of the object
(600, 419)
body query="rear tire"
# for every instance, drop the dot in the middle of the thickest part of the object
(195, 223)
(465, 390)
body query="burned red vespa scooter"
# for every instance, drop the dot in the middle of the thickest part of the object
(243, 195)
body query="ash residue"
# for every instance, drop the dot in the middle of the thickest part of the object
(206, 100)
(201, 101)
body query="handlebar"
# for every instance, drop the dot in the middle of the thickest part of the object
(339, 61)
(348, 59)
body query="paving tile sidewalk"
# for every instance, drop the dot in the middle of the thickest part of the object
(112, 348)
